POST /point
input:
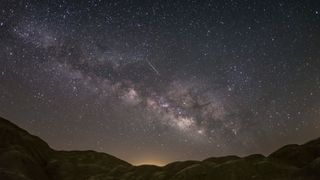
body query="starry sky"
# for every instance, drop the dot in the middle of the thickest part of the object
(160, 81)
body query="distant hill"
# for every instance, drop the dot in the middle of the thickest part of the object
(27, 157)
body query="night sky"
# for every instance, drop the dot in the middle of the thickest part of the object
(160, 81)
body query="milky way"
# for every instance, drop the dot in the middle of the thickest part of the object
(160, 81)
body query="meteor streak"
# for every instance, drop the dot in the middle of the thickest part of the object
(153, 68)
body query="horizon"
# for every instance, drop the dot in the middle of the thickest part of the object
(160, 162)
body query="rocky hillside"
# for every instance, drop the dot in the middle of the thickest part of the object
(27, 157)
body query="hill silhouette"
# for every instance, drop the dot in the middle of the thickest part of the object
(27, 157)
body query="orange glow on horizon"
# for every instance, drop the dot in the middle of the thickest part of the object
(150, 162)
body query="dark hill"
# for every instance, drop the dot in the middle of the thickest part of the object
(27, 157)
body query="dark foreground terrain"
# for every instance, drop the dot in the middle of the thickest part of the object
(26, 157)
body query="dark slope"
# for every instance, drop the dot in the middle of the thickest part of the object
(24, 156)
(27, 157)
